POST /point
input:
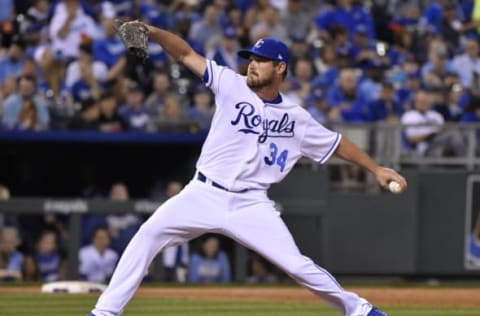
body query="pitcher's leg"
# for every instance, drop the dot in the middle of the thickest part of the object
(190, 213)
(261, 229)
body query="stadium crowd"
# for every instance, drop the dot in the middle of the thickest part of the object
(62, 67)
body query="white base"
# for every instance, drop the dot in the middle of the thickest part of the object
(73, 287)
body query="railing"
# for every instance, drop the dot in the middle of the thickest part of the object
(384, 142)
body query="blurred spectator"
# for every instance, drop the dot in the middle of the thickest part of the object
(437, 67)
(203, 108)
(472, 115)
(295, 18)
(269, 25)
(47, 263)
(161, 87)
(35, 25)
(7, 88)
(25, 110)
(110, 121)
(432, 139)
(303, 74)
(346, 103)
(348, 14)
(134, 113)
(172, 116)
(473, 253)
(386, 108)
(468, 63)
(260, 272)
(7, 16)
(210, 264)
(235, 20)
(299, 49)
(85, 76)
(317, 106)
(121, 227)
(207, 28)
(11, 260)
(97, 260)
(11, 64)
(69, 27)
(87, 118)
(175, 258)
(110, 50)
(224, 53)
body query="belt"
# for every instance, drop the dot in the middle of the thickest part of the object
(203, 178)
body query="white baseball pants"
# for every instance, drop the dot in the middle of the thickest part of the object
(249, 218)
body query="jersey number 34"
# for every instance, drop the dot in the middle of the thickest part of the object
(277, 158)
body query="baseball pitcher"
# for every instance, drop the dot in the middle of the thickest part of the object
(257, 135)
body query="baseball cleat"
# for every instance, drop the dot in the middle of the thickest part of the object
(376, 312)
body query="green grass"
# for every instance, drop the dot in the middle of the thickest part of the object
(80, 305)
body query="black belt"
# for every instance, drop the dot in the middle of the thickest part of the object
(201, 177)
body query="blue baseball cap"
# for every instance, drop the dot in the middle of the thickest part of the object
(268, 48)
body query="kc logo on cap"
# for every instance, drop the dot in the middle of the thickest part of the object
(268, 48)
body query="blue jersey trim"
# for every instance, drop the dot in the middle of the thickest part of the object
(205, 75)
(278, 99)
(209, 74)
(329, 152)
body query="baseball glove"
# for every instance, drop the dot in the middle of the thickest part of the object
(134, 36)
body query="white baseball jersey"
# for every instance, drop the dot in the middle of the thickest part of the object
(95, 266)
(272, 135)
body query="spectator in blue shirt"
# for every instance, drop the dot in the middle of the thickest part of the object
(348, 15)
(317, 106)
(11, 64)
(345, 101)
(202, 110)
(110, 50)
(210, 264)
(134, 112)
(386, 108)
(25, 110)
(224, 53)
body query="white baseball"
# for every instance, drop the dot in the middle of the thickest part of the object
(394, 187)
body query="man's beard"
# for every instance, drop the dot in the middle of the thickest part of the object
(256, 83)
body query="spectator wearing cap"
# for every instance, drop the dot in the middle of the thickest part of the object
(225, 52)
(386, 107)
(468, 63)
(317, 106)
(202, 109)
(70, 25)
(87, 118)
(133, 112)
(11, 64)
(269, 26)
(25, 110)
(85, 76)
